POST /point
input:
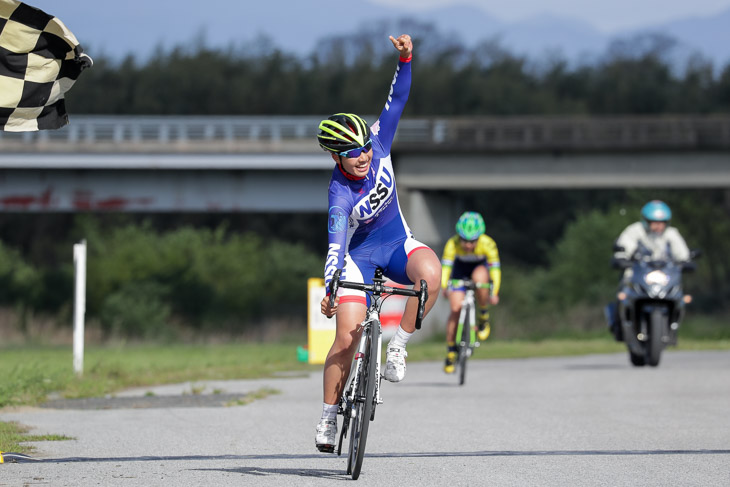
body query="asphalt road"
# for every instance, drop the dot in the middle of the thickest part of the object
(592, 420)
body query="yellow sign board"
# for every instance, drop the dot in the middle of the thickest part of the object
(320, 329)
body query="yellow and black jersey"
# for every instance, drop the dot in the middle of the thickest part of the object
(485, 251)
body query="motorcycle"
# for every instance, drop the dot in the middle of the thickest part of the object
(650, 305)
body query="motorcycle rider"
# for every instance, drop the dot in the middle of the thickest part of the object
(651, 234)
(655, 234)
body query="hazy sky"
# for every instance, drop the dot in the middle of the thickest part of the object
(138, 26)
(606, 15)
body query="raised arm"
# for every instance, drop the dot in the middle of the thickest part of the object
(386, 125)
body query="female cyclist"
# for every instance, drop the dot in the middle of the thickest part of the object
(467, 255)
(367, 230)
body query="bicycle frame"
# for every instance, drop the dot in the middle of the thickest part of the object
(467, 315)
(466, 338)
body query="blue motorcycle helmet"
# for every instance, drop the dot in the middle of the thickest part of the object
(655, 211)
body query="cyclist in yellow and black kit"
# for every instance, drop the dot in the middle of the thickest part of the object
(469, 254)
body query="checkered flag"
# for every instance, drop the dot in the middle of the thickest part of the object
(40, 59)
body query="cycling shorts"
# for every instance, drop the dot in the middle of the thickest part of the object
(463, 270)
(392, 257)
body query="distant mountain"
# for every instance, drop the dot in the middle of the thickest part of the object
(546, 34)
(468, 23)
(709, 35)
(139, 26)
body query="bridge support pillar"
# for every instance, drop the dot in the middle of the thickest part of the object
(431, 215)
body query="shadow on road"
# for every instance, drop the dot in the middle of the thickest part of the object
(484, 453)
(549, 453)
(299, 472)
(595, 367)
(451, 384)
(173, 458)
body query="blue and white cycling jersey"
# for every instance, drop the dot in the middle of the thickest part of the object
(366, 227)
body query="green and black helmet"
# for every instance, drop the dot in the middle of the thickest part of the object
(470, 225)
(342, 132)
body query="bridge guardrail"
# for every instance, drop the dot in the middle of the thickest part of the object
(221, 134)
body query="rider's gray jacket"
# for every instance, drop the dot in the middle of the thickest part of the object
(668, 246)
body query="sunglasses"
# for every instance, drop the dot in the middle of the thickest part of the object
(463, 240)
(352, 153)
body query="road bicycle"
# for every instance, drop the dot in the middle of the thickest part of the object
(466, 328)
(362, 389)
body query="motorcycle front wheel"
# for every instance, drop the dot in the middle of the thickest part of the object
(637, 360)
(657, 327)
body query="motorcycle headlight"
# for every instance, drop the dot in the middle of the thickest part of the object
(656, 278)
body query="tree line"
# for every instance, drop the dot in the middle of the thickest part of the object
(639, 75)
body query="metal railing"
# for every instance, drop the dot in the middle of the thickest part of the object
(219, 134)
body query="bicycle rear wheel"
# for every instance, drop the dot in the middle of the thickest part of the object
(464, 343)
(365, 398)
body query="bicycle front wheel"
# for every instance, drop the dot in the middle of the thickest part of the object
(365, 403)
(464, 344)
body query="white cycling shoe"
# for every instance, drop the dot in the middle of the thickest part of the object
(395, 364)
(326, 434)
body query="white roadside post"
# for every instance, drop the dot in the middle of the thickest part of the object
(79, 305)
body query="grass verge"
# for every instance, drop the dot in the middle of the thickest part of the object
(30, 374)
(13, 437)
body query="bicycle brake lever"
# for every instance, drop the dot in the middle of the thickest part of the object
(334, 286)
(422, 298)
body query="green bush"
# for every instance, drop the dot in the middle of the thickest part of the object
(141, 280)
(138, 310)
(19, 281)
(578, 278)
(580, 269)
(206, 279)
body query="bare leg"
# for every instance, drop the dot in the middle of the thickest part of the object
(455, 300)
(481, 275)
(423, 264)
(337, 365)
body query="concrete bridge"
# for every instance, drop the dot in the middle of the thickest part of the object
(231, 164)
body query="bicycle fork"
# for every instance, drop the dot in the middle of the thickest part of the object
(468, 310)
(373, 328)
(378, 333)
(349, 398)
